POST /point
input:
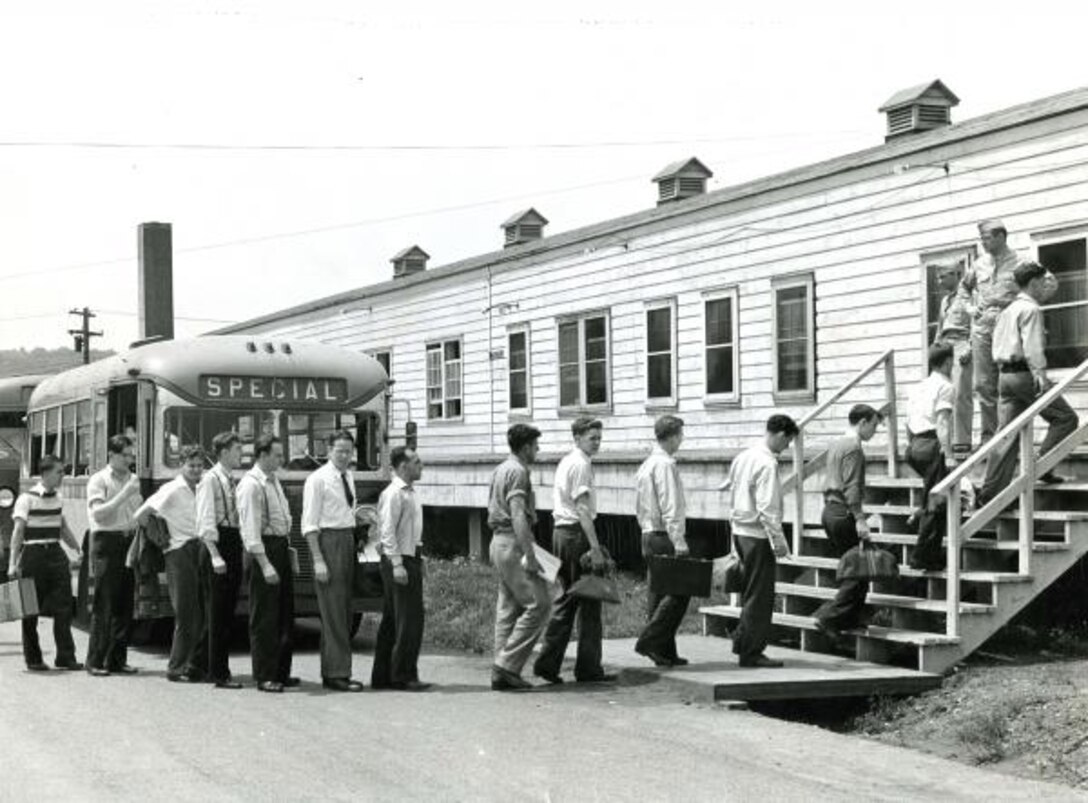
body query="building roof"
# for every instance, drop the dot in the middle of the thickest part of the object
(702, 205)
(529, 215)
(932, 89)
(688, 167)
(409, 252)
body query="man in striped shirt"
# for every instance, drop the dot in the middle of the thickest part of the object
(37, 554)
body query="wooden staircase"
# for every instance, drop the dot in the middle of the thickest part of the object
(1004, 560)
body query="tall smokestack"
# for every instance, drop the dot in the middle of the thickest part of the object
(156, 281)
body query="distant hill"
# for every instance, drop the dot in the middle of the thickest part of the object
(14, 362)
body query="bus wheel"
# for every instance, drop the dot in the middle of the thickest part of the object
(82, 615)
(356, 621)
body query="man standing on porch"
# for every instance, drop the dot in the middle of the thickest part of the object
(756, 522)
(954, 328)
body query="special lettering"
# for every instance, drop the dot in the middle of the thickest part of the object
(256, 390)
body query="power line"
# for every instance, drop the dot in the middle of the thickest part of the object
(40, 315)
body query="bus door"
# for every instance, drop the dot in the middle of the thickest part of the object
(130, 412)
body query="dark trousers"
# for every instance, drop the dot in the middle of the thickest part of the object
(664, 611)
(400, 635)
(48, 567)
(220, 599)
(1017, 394)
(925, 456)
(272, 614)
(188, 652)
(753, 631)
(844, 611)
(570, 543)
(334, 601)
(111, 611)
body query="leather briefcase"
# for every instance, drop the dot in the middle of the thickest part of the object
(680, 577)
(867, 563)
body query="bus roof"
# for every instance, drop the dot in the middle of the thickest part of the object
(15, 391)
(185, 366)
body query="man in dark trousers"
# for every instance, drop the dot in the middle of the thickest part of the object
(843, 520)
(264, 518)
(221, 561)
(400, 635)
(756, 523)
(37, 554)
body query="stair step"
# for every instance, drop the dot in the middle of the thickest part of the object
(884, 481)
(908, 539)
(920, 638)
(1040, 515)
(814, 562)
(884, 600)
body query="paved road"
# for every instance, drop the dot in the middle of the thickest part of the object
(69, 736)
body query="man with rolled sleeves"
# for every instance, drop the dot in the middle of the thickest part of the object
(113, 497)
(221, 561)
(400, 635)
(328, 524)
(37, 554)
(1020, 354)
(954, 328)
(264, 518)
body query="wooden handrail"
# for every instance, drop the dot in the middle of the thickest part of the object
(838, 394)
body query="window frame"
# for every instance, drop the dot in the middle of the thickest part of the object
(789, 282)
(731, 292)
(670, 401)
(388, 351)
(440, 343)
(1055, 236)
(581, 406)
(967, 253)
(527, 411)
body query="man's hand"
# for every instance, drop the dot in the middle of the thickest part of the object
(532, 565)
(1042, 385)
(950, 462)
(321, 571)
(14, 572)
(596, 559)
(219, 566)
(682, 552)
(271, 576)
(400, 575)
(75, 562)
(863, 530)
(132, 486)
(965, 358)
(780, 548)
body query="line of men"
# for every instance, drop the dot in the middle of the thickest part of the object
(211, 522)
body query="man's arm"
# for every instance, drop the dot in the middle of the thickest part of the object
(768, 499)
(207, 525)
(250, 523)
(390, 518)
(944, 435)
(15, 556)
(1033, 339)
(523, 531)
(312, 499)
(68, 537)
(102, 508)
(853, 473)
(667, 480)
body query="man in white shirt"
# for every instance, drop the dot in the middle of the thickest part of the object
(264, 518)
(756, 522)
(660, 509)
(929, 452)
(574, 509)
(221, 561)
(175, 502)
(328, 524)
(400, 635)
(113, 497)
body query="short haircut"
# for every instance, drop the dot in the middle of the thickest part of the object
(399, 455)
(339, 435)
(583, 424)
(521, 435)
(1026, 271)
(48, 463)
(782, 423)
(947, 267)
(118, 443)
(939, 354)
(994, 225)
(863, 412)
(223, 442)
(192, 452)
(667, 426)
(264, 444)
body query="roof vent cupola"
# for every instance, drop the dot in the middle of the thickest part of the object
(680, 180)
(525, 226)
(919, 108)
(411, 260)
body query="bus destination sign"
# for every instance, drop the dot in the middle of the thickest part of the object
(272, 390)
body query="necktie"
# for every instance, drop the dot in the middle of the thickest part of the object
(347, 489)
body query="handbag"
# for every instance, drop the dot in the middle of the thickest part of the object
(728, 574)
(867, 562)
(594, 586)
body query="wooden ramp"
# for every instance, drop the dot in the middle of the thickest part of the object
(713, 673)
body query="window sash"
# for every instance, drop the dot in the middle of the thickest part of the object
(444, 380)
(584, 361)
(517, 371)
(794, 328)
(721, 331)
(1066, 316)
(661, 352)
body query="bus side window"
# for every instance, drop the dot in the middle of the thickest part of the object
(37, 442)
(52, 431)
(368, 435)
(83, 438)
(68, 438)
(98, 458)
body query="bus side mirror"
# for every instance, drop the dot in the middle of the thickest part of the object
(410, 434)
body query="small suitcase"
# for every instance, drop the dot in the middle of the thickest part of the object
(680, 577)
(18, 600)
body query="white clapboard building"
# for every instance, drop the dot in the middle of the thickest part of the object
(722, 307)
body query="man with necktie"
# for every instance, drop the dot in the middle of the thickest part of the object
(328, 524)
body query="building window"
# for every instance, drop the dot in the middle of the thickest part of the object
(583, 361)
(964, 257)
(519, 387)
(661, 352)
(444, 380)
(720, 336)
(1066, 314)
(794, 328)
(384, 358)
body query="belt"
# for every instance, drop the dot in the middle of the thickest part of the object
(41, 542)
(1014, 367)
(834, 495)
(929, 434)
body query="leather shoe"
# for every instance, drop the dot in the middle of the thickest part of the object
(1050, 478)
(412, 685)
(603, 677)
(760, 661)
(505, 680)
(181, 677)
(229, 683)
(38, 667)
(552, 678)
(98, 672)
(341, 684)
(75, 666)
(273, 686)
(678, 661)
(291, 683)
(125, 670)
(658, 658)
(823, 628)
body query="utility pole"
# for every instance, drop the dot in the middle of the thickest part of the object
(84, 334)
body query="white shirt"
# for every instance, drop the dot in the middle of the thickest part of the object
(102, 487)
(324, 504)
(573, 480)
(756, 495)
(215, 503)
(401, 517)
(929, 397)
(262, 509)
(176, 503)
(659, 497)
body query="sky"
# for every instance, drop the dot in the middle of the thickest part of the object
(295, 147)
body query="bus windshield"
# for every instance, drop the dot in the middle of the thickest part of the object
(303, 434)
